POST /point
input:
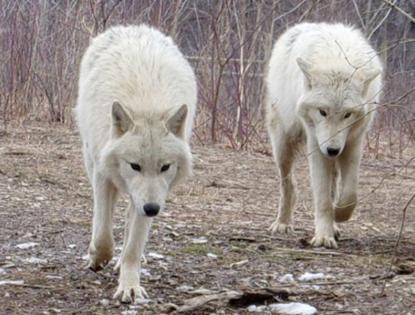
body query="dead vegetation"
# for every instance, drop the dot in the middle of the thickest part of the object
(227, 42)
(210, 252)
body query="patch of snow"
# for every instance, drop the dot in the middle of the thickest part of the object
(15, 282)
(129, 312)
(85, 257)
(211, 255)
(200, 240)
(286, 278)
(293, 308)
(256, 309)
(35, 260)
(310, 276)
(145, 272)
(26, 245)
(72, 245)
(155, 255)
(251, 308)
(2, 271)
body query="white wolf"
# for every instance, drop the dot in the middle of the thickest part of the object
(323, 84)
(136, 104)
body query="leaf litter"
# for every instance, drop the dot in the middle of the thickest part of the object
(224, 219)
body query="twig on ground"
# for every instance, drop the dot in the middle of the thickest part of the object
(398, 240)
(196, 302)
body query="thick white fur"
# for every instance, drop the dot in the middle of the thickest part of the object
(136, 104)
(318, 75)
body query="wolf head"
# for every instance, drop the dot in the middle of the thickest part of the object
(147, 156)
(333, 107)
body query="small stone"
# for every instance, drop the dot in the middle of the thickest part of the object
(104, 302)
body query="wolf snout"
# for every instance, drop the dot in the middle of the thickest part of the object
(151, 209)
(332, 151)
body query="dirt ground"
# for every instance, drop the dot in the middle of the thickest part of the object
(212, 236)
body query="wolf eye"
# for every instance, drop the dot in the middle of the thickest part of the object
(135, 167)
(347, 115)
(322, 113)
(165, 168)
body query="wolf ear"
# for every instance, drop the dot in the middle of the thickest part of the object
(305, 68)
(121, 120)
(369, 77)
(176, 123)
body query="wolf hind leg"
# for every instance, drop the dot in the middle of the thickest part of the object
(284, 154)
(346, 197)
(102, 241)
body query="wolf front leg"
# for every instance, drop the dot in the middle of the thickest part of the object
(348, 168)
(321, 171)
(102, 241)
(125, 238)
(284, 155)
(129, 289)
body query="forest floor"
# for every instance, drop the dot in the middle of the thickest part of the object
(212, 238)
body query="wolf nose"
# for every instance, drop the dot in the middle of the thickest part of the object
(332, 151)
(151, 209)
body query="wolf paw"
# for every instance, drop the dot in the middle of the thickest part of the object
(326, 241)
(277, 227)
(96, 263)
(99, 258)
(130, 292)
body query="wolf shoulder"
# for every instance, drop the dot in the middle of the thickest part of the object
(138, 66)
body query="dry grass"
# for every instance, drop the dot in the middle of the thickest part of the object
(231, 201)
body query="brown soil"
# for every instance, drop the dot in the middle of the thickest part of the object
(231, 201)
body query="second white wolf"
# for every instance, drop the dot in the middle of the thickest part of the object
(323, 85)
(136, 104)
